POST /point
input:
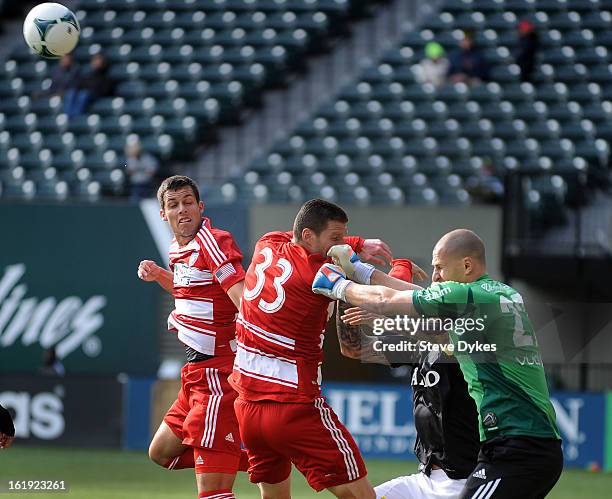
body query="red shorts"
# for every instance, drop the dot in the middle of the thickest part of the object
(203, 415)
(308, 435)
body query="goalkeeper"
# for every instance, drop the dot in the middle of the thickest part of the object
(495, 345)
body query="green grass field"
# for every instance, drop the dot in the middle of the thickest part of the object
(130, 475)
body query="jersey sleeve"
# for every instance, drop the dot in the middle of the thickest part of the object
(223, 257)
(401, 268)
(354, 242)
(445, 299)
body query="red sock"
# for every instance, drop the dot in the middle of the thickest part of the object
(217, 494)
(244, 461)
(185, 460)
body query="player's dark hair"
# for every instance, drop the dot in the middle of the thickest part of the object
(175, 183)
(315, 214)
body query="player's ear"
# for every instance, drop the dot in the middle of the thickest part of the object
(308, 235)
(163, 216)
(201, 206)
(467, 265)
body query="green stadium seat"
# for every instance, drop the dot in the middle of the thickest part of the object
(501, 20)
(598, 112)
(162, 19)
(52, 190)
(558, 55)
(565, 21)
(582, 38)
(21, 123)
(592, 55)
(544, 130)
(585, 93)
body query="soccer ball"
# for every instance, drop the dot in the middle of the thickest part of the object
(51, 30)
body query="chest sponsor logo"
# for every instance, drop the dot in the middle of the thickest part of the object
(435, 294)
(426, 379)
(182, 275)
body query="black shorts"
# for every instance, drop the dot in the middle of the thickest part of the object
(512, 467)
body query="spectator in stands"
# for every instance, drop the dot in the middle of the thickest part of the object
(434, 67)
(468, 64)
(65, 76)
(141, 168)
(527, 49)
(96, 83)
(486, 186)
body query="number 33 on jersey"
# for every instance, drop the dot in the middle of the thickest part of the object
(281, 323)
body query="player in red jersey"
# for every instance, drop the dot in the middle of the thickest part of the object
(200, 429)
(277, 372)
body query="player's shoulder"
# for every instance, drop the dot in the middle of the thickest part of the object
(219, 235)
(213, 238)
(488, 288)
(278, 242)
(438, 290)
(276, 237)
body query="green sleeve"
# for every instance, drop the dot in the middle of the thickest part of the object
(446, 299)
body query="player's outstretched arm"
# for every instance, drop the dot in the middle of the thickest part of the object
(149, 271)
(331, 281)
(380, 299)
(381, 279)
(355, 342)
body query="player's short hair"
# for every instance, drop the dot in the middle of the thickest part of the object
(464, 242)
(175, 183)
(315, 214)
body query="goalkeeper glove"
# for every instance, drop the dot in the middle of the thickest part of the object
(330, 281)
(344, 256)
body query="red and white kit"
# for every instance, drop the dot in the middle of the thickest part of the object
(204, 319)
(277, 371)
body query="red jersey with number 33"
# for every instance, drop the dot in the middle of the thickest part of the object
(281, 324)
(204, 316)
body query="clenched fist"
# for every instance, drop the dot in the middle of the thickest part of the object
(149, 271)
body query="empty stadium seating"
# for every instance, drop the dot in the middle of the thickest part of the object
(182, 67)
(386, 138)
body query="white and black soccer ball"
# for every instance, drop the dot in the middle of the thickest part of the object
(51, 30)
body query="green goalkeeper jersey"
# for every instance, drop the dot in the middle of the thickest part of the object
(495, 344)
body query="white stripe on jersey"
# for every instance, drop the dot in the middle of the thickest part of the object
(176, 250)
(213, 245)
(349, 458)
(212, 409)
(266, 367)
(198, 309)
(275, 338)
(206, 244)
(195, 337)
(174, 321)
